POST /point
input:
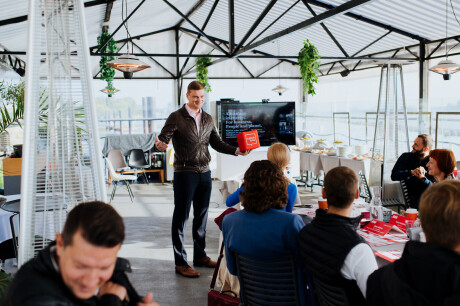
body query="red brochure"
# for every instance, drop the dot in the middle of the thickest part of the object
(378, 227)
(399, 221)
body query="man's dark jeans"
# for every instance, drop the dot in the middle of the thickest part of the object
(188, 187)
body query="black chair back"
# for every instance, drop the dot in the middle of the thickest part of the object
(364, 189)
(137, 159)
(405, 193)
(271, 282)
(329, 295)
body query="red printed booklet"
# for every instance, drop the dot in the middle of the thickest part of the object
(399, 221)
(381, 228)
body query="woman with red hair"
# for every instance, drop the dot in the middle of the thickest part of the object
(441, 164)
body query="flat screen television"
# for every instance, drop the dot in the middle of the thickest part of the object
(274, 121)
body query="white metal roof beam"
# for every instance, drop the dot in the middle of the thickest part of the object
(255, 25)
(339, 10)
(370, 21)
(326, 29)
(211, 11)
(194, 25)
(119, 27)
(192, 11)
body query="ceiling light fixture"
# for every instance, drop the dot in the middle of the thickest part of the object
(446, 67)
(280, 89)
(127, 63)
(109, 91)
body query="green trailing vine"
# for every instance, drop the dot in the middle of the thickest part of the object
(107, 72)
(202, 64)
(308, 60)
(5, 280)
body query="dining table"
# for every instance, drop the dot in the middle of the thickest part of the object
(386, 248)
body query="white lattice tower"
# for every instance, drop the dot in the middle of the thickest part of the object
(391, 134)
(62, 164)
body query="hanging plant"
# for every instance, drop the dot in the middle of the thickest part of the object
(107, 72)
(202, 64)
(309, 64)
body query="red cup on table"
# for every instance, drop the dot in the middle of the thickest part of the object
(322, 203)
(411, 214)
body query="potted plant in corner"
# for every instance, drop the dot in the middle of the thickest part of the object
(107, 72)
(308, 60)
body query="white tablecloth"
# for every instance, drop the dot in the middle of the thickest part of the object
(317, 163)
(5, 229)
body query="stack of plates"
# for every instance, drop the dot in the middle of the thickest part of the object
(361, 150)
(343, 151)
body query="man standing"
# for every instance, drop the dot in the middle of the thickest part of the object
(411, 167)
(192, 131)
(81, 261)
(330, 248)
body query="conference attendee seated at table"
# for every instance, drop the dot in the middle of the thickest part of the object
(262, 230)
(80, 262)
(427, 273)
(441, 165)
(411, 165)
(279, 154)
(330, 248)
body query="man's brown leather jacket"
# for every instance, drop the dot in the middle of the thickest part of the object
(191, 150)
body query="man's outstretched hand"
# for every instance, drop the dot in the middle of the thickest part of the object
(160, 145)
(242, 153)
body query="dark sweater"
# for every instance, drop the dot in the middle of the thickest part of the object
(426, 275)
(402, 171)
(38, 283)
(324, 245)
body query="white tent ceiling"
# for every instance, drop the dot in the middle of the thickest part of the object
(346, 33)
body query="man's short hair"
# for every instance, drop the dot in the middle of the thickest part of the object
(445, 160)
(340, 185)
(264, 186)
(427, 140)
(440, 213)
(98, 222)
(194, 85)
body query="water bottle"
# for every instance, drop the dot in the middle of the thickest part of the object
(376, 207)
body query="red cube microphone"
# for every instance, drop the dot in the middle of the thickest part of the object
(248, 140)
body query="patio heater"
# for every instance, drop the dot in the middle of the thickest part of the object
(61, 164)
(391, 134)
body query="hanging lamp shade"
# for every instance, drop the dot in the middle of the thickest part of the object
(128, 64)
(109, 91)
(446, 68)
(279, 89)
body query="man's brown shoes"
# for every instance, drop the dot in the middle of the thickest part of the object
(187, 271)
(204, 262)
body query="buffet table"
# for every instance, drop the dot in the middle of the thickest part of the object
(318, 162)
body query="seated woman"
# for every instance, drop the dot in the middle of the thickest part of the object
(279, 154)
(441, 164)
(262, 230)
